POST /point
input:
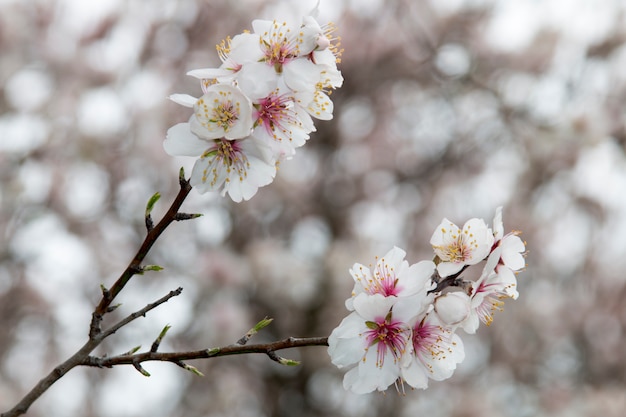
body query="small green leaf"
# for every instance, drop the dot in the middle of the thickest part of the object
(213, 351)
(164, 331)
(132, 351)
(288, 362)
(262, 324)
(155, 197)
(187, 216)
(192, 369)
(152, 268)
(141, 370)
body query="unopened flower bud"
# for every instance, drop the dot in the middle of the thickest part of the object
(452, 308)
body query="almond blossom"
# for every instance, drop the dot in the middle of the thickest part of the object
(263, 97)
(457, 248)
(392, 276)
(236, 167)
(403, 321)
(376, 337)
(488, 293)
(435, 354)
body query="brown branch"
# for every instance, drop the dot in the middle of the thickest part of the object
(174, 357)
(141, 313)
(96, 336)
(134, 266)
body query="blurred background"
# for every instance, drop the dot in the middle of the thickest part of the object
(450, 108)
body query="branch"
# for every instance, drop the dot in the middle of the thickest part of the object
(140, 313)
(134, 267)
(96, 336)
(177, 357)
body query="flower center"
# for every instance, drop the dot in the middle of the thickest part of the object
(388, 336)
(273, 112)
(279, 46)
(430, 341)
(459, 248)
(227, 158)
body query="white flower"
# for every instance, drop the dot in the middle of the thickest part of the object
(392, 277)
(236, 167)
(457, 248)
(488, 291)
(435, 353)
(376, 337)
(512, 245)
(234, 53)
(278, 125)
(222, 112)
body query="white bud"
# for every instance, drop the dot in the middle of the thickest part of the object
(453, 307)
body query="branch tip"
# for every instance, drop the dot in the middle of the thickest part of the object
(113, 308)
(156, 268)
(139, 368)
(187, 216)
(105, 291)
(159, 339)
(257, 327)
(283, 361)
(189, 368)
(212, 352)
(132, 351)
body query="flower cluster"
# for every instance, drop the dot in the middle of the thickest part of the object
(258, 106)
(402, 326)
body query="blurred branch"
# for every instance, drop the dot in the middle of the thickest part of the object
(235, 349)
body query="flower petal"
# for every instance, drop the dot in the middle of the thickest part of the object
(181, 142)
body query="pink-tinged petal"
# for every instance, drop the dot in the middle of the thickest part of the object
(415, 374)
(408, 309)
(302, 75)
(181, 142)
(183, 99)
(261, 26)
(383, 375)
(470, 325)
(498, 227)
(394, 257)
(508, 280)
(198, 175)
(442, 235)
(257, 80)
(321, 107)
(352, 381)
(351, 326)
(446, 269)
(245, 48)
(232, 167)
(372, 307)
(512, 248)
(345, 347)
(492, 262)
(480, 239)
(417, 277)
(222, 112)
(210, 73)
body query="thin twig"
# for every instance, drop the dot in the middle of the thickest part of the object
(175, 357)
(141, 313)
